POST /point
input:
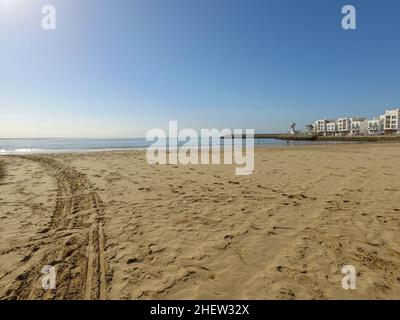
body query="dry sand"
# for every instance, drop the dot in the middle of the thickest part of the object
(118, 228)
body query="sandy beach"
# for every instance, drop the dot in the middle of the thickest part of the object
(116, 227)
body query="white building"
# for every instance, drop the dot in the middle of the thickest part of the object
(376, 126)
(292, 128)
(320, 126)
(310, 128)
(389, 123)
(343, 125)
(331, 128)
(392, 121)
(358, 126)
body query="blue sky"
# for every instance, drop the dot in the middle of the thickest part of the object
(120, 68)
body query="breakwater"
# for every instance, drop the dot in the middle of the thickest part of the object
(311, 137)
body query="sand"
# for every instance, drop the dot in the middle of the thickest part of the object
(117, 228)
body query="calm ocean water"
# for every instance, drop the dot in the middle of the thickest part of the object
(12, 146)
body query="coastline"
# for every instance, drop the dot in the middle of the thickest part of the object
(298, 143)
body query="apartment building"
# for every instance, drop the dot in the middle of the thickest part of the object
(389, 123)
(358, 126)
(331, 128)
(376, 126)
(392, 121)
(343, 125)
(320, 126)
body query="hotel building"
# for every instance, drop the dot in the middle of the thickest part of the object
(392, 123)
(358, 126)
(376, 126)
(331, 128)
(389, 123)
(343, 125)
(320, 127)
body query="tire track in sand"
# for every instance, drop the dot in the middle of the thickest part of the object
(73, 241)
(2, 170)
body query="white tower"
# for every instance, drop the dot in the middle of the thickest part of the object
(292, 128)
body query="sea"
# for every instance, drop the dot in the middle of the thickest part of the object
(57, 145)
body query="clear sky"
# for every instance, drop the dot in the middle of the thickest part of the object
(117, 68)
